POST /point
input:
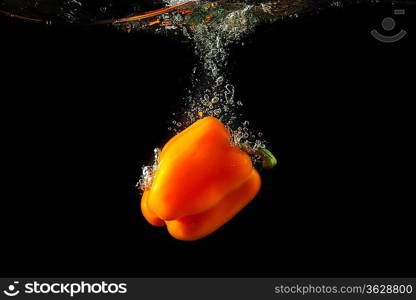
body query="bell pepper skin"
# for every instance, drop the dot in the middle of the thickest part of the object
(202, 181)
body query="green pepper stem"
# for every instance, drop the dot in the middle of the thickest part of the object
(269, 161)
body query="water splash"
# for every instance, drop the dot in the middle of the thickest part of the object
(149, 172)
(174, 2)
(211, 93)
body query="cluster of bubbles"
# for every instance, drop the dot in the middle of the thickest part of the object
(148, 172)
(70, 10)
(174, 2)
(211, 93)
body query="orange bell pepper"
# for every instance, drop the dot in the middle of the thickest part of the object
(201, 182)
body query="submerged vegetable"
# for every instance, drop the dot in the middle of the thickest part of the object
(201, 182)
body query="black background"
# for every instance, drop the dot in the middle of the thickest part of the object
(83, 108)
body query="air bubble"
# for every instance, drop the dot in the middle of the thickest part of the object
(148, 172)
(220, 81)
(215, 100)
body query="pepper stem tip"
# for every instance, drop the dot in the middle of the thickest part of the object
(269, 161)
